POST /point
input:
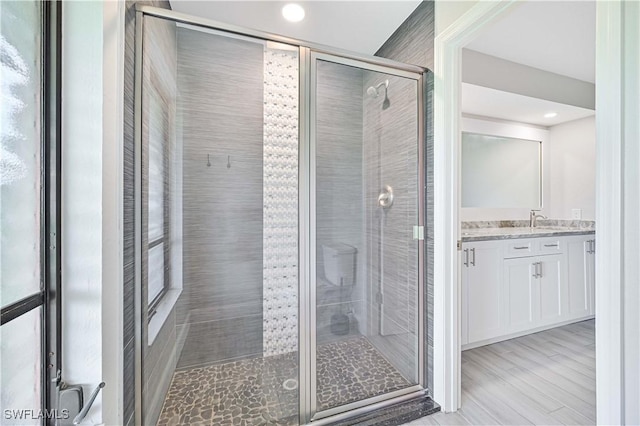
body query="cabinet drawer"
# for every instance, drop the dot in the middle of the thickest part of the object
(520, 248)
(550, 246)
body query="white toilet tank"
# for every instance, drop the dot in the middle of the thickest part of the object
(339, 263)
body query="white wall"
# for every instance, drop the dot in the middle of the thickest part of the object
(572, 158)
(113, 14)
(512, 130)
(497, 73)
(92, 203)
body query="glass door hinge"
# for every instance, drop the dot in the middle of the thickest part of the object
(418, 232)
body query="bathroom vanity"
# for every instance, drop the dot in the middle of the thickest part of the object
(520, 280)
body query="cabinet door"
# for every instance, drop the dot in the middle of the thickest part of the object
(590, 261)
(519, 288)
(483, 285)
(551, 291)
(464, 326)
(578, 278)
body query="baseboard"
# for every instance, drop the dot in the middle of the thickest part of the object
(524, 333)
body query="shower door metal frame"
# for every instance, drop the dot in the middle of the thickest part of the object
(308, 167)
(309, 53)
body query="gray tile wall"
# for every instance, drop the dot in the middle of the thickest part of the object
(412, 43)
(220, 107)
(129, 211)
(339, 203)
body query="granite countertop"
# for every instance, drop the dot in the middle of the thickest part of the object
(504, 230)
(482, 234)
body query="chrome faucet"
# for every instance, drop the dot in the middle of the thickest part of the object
(533, 218)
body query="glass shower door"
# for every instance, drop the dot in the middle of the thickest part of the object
(365, 208)
(219, 231)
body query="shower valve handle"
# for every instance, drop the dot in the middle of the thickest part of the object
(385, 199)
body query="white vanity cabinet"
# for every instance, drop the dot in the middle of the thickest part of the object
(535, 291)
(515, 286)
(482, 290)
(581, 275)
(518, 288)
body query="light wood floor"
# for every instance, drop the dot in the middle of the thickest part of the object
(547, 378)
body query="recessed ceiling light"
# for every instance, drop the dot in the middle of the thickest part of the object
(293, 12)
(550, 114)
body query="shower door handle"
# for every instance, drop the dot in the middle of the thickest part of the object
(85, 409)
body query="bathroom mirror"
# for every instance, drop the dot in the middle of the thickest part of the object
(501, 172)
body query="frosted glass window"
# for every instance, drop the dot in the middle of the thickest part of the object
(156, 271)
(500, 172)
(157, 141)
(20, 373)
(20, 144)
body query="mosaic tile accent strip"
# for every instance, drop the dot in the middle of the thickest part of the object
(352, 370)
(280, 197)
(252, 392)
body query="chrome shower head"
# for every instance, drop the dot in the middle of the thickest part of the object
(373, 90)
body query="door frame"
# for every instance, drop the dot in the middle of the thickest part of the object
(616, 68)
(447, 245)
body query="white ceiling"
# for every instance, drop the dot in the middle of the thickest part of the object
(358, 26)
(555, 36)
(488, 102)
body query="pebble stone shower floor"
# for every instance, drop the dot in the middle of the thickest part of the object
(250, 392)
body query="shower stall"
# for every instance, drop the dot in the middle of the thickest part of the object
(279, 227)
